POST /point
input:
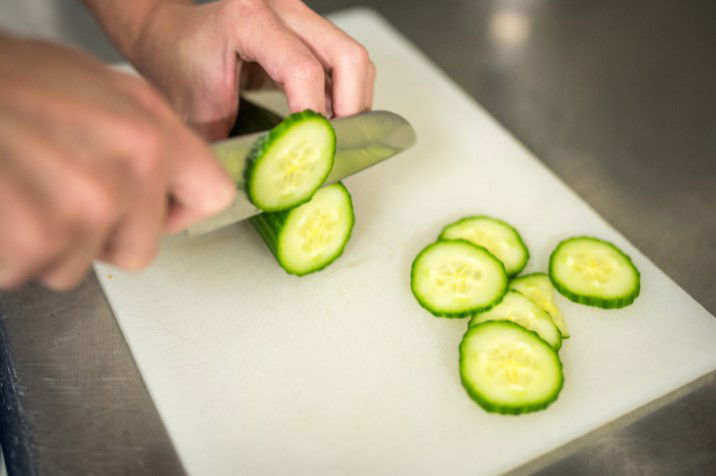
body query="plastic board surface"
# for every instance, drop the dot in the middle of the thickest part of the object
(341, 372)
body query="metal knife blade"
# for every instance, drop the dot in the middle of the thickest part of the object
(361, 141)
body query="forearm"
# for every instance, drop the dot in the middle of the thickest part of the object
(126, 21)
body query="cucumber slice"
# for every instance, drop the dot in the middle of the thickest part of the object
(538, 288)
(311, 236)
(594, 272)
(517, 308)
(507, 369)
(500, 239)
(286, 166)
(454, 278)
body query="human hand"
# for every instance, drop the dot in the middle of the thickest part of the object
(93, 164)
(200, 55)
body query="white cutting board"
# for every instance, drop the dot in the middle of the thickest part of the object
(257, 372)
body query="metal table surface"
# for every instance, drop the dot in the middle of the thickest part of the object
(617, 97)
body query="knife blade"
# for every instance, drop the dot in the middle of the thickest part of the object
(362, 140)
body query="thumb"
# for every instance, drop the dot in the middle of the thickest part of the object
(198, 185)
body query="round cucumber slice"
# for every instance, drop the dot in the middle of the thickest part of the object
(508, 369)
(519, 309)
(538, 288)
(500, 239)
(286, 166)
(594, 272)
(454, 278)
(311, 236)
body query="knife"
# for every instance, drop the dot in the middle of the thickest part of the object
(361, 141)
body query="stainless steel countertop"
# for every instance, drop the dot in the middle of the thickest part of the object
(617, 97)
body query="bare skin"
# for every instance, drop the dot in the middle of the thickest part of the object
(96, 164)
(93, 164)
(199, 55)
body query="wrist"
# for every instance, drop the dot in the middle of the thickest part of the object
(129, 23)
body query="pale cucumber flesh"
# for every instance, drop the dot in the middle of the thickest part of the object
(310, 236)
(538, 288)
(591, 271)
(508, 369)
(291, 162)
(498, 237)
(455, 278)
(519, 309)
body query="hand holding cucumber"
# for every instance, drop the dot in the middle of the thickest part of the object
(199, 56)
(95, 165)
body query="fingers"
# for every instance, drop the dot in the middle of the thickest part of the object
(198, 186)
(120, 166)
(283, 55)
(71, 266)
(37, 221)
(353, 85)
(38, 228)
(133, 242)
(23, 243)
(92, 204)
(352, 71)
(368, 101)
(67, 198)
(177, 181)
(87, 167)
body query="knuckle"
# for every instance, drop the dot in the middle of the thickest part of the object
(142, 136)
(95, 202)
(145, 145)
(244, 9)
(356, 54)
(371, 70)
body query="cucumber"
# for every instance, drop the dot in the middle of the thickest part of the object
(594, 272)
(538, 288)
(508, 369)
(287, 165)
(455, 278)
(311, 236)
(500, 239)
(517, 308)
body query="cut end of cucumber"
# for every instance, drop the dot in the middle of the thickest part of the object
(315, 233)
(519, 309)
(454, 278)
(538, 288)
(508, 369)
(291, 162)
(498, 237)
(594, 272)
